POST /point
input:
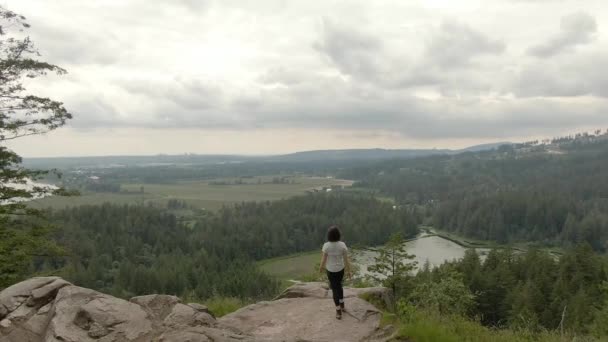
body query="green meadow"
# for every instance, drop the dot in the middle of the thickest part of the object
(292, 267)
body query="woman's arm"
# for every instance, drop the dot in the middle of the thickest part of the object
(323, 262)
(347, 265)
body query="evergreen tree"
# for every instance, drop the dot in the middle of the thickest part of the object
(392, 266)
(446, 295)
(22, 236)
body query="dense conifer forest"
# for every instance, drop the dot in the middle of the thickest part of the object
(555, 193)
(531, 291)
(134, 250)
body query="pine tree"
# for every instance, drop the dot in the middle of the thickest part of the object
(22, 236)
(392, 266)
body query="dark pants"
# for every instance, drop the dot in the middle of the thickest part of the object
(335, 282)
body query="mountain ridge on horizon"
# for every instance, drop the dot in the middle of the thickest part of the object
(345, 154)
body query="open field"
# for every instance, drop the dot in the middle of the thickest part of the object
(91, 198)
(293, 266)
(198, 194)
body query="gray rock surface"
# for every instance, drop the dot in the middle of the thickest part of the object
(305, 312)
(303, 290)
(186, 315)
(15, 295)
(49, 309)
(200, 308)
(46, 293)
(26, 308)
(80, 314)
(3, 311)
(321, 290)
(157, 306)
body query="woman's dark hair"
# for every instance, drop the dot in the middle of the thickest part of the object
(333, 234)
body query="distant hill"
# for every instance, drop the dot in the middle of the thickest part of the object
(125, 161)
(356, 154)
(377, 153)
(484, 147)
(210, 159)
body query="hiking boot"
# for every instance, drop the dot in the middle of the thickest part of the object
(338, 314)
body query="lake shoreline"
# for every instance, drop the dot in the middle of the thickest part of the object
(296, 265)
(484, 244)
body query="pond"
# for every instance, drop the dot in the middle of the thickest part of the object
(435, 249)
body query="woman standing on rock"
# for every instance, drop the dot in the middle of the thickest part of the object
(334, 260)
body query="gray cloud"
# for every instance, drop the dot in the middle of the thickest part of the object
(581, 75)
(352, 52)
(456, 44)
(63, 46)
(93, 111)
(378, 68)
(575, 29)
(284, 76)
(185, 93)
(343, 106)
(448, 55)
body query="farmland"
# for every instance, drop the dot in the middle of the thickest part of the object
(207, 195)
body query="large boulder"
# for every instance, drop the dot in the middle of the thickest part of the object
(157, 306)
(12, 297)
(50, 309)
(306, 290)
(80, 314)
(201, 308)
(186, 315)
(25, 306)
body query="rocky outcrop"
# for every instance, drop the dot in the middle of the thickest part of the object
(305, 312)
(50, 309)
(27, 307)
(321, 290)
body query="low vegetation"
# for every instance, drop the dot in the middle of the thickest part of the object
(428, 326)
(221, 306)
(509, 297)
(291, 267)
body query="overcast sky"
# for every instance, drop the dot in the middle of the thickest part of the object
(275, 76)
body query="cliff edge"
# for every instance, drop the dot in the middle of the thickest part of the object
(51, 309)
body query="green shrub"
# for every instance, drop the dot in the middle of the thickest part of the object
(428, 325)
(363, 282)
(221, 306)
(427, 331)
(447, 296)
(375, 301)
